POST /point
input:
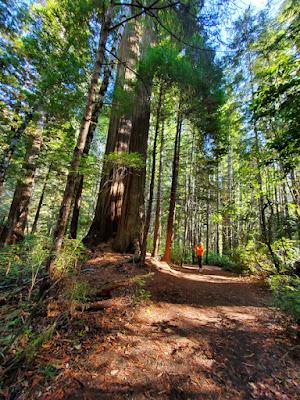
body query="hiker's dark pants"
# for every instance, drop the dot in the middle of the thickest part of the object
(200, 261)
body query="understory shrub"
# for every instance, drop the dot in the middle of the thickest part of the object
(176, 253)
(24, 261)
(71, 252)
(288, 253)
(255, 257)
(286, 294)
(79, 291)
(223, 261)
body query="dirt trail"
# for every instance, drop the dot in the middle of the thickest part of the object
(200, 336)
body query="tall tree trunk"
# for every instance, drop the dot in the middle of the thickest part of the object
(14, 228)
(157, 225)
(151, 187)
(81, 141)
(80, 178)
(130, 229)
(187, 198)
(175, 170)
(229, 175)
(207, 226)
(39, 207)
(295, 191)
(265, 235)
(227, 223)
(108, 70)
(287, 226)
(218, 209)
(111, 192)
(261, 201)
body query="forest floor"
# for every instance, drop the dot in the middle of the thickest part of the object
(169, 333)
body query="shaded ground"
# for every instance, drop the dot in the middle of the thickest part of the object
(200, 336)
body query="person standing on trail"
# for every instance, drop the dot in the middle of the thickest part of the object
(199, 249)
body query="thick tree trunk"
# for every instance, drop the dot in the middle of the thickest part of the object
(39, 207)
(128, 238)
(218, 209)
(170, 224)
(14, 228)
(157, 225)
(108, 70)
(151, 187)
(110, 199)
(229, 177)
(81, 141)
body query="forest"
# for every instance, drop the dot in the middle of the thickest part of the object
(130, 132)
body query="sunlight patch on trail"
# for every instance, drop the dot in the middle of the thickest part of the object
(198, 316)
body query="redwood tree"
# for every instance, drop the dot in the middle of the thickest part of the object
(14, 227)
(81, 141)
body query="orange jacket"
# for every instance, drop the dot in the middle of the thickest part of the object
(199, 249)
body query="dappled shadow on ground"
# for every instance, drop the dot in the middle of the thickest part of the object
(211, 287)
(195, 339)
(183, 360)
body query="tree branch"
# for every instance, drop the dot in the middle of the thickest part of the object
(144, 9)
(130, 69)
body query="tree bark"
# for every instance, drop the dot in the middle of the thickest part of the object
(170, 224)
(187, 198)
(157, 225)
(108, 70)
(207, 226)
(151, 187)
(218, 209)
(39, 207)
(287, 226)
(14, 228)
(229, 176)
(81, 141)
(111, 193)
(295, 191)
(265, 235)
(128, 238)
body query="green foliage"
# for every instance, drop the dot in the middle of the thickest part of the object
(176, 253)
(167, 63)
(79, 291)
(126, 160)
(288, 252)
(223, 261)
(37, 340)
(286, 292)
(23, 261)
(141, 295)
(254, 258)
(71, 252)
(124, 97)
(49, 371)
